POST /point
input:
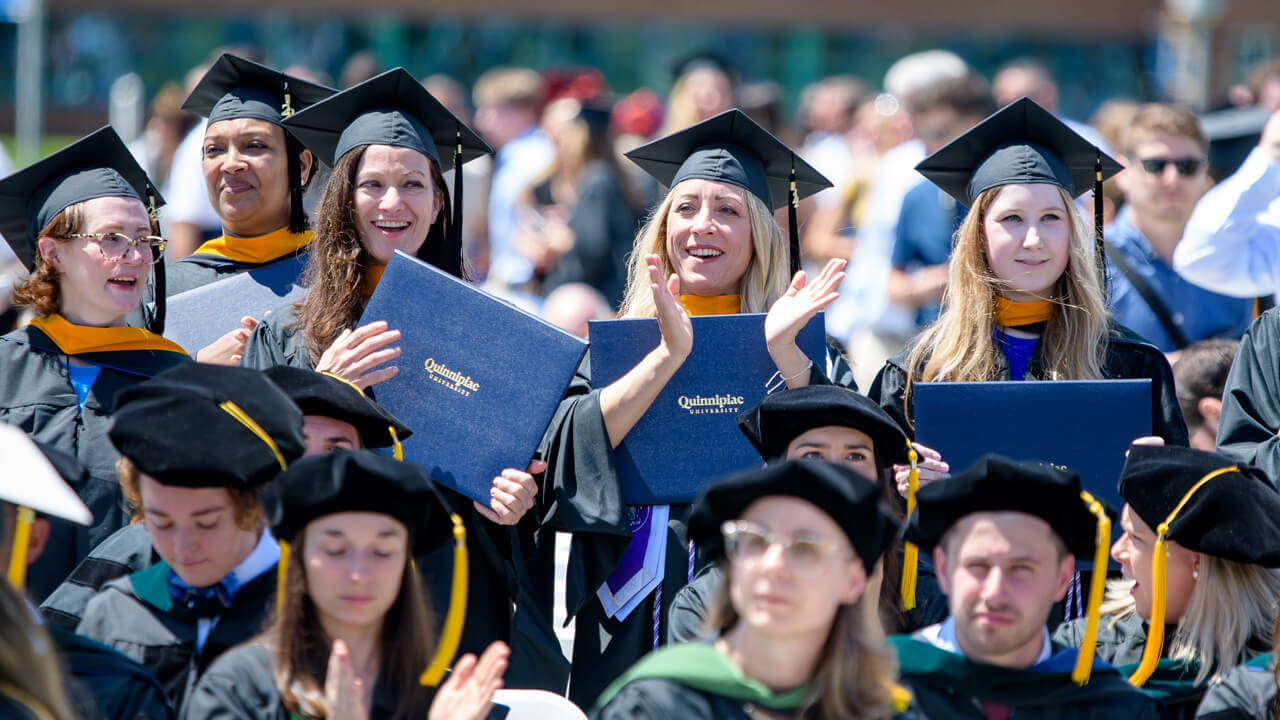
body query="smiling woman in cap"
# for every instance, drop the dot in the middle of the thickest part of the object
(79, 220)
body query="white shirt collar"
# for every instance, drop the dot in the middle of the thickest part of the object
(264, 555)
(943, 637)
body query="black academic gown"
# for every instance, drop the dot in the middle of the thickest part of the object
(1246, 692)
(106, 684)
(127, 551)
(661, 699)
(948, 685)
(1128, 357)
(582, 495)
(277, 340)
(37, 396)
(136, 616)
(1251, 400)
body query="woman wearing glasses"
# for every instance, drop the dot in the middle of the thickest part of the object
(797, 635)
(80, 222)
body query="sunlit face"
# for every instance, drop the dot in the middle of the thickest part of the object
(837, 444)
(1002, 572)
(1028, 232)
(395, 200)
(770, 596)
(1166, 195)
(355, 563)
(1134, 551)
(246, 173)
(710, 90)
(709, 236)
(322, 435)
(91, 289)
(195, 530)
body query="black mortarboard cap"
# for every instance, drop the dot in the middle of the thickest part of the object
(1020, 143)
(358, 481)
(852, 501)
(783, 416)
(596, 117)
(323, 394)
(998, 484)
(97, 165)
(390, 109)
(1234, 515)
(238, 88)
(198, 425)
(1232, 135)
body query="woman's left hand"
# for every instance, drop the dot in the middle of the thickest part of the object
(467, 694)
(930, 467)
(512, 494)
(793, 311)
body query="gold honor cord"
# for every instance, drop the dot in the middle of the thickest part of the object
(1155, 630)
(21, 541)
(1102, 547)
(910, 553)
(282, 572)
(452, 633)
(243, 418)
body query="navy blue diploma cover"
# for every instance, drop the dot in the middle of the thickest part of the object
(689, 436)
(195, 318)
(479, 378)
(1085, 425)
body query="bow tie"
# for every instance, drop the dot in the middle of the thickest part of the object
(208, 601)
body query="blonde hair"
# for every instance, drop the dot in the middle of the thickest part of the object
(29, 670)
(855, 673)
(958, 347)
(766, 278)
(1231, 605)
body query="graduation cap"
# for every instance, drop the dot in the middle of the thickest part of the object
(198, 425)
(97, 165)
(1232, 135)
(732, 148)
(1208, 503)
(392, 109)
(238, 88)
(999, 484)
(783, 416)
(1021, 143)
(330, 396)
(598, 118)
(34, 486)
(362, 481)
(852, 501)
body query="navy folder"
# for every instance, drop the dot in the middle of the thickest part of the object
(195, 318)
(479, 378)
(689, 436)
(1085, 425)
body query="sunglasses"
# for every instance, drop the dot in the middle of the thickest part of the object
(1186, 167)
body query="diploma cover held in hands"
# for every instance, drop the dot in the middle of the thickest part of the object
(689, 437)
(479, 379)
(197, 317)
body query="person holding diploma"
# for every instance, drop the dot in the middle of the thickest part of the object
(710, 247)
(198, 444)
(80, 220)
(352, 637)
(796, 634)
(1200, 541)
(1024, 299)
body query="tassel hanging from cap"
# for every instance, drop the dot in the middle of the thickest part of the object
(910, 553)
(21, 542)
(297, 212)
(1097, 583)
(155, 323)
(397, 450)
(451, 635)
(1099, 247)
(287, 108)
(793, 231)
(282, 573)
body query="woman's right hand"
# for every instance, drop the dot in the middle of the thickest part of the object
(356, 354)
(673, 319)
(467, 694)
(343, 691)
(228, 349)
(930, 466)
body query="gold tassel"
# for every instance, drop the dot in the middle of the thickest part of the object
(243, 418)
(21, 541)
(282, 573)
(910, 554)
(397, 450)
(1155, 629)
(452, 633)
(1102, 547)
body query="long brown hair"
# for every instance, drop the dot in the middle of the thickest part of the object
(29, 672)
(856, 669)
(338, 261)
(301, 646)
(958, 347)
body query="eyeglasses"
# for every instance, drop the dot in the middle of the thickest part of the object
(1186, 167)
(748, 542)
(114, 246)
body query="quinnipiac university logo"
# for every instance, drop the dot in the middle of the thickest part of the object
(452, 379)
(710, 404)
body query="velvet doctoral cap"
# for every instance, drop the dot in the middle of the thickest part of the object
(784, 416)
(328, 396)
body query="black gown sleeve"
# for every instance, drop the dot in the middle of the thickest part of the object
(238, 686)
(1131, 357)
(1251, 400)
(276, 341)
(657, 699)
(689, 607)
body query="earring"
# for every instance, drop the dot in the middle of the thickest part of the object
(1195, 574)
